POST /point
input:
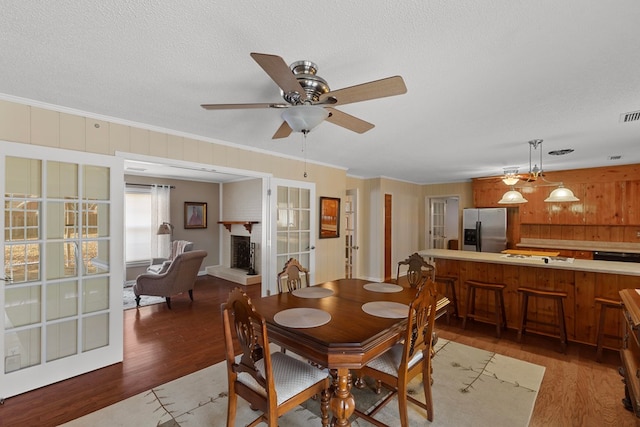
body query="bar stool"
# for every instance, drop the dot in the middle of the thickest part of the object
(556, 296)
(604, 304)
(449, 283)
(497, 289)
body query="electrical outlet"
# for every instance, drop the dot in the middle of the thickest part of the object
(637, 233)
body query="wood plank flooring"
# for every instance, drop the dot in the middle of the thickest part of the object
(162, 345)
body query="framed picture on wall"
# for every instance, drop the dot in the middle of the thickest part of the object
(195, 215)
(329, 217)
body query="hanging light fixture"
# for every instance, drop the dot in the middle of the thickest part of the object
(303, 118)
(510, 177)
(512, 196)
(559, 195)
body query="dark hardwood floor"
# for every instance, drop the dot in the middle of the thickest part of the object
(161, 345)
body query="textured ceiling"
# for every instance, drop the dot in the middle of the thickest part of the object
(483, 77)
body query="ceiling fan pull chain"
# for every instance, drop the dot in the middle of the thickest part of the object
(304, 150)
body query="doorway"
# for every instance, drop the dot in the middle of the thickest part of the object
(443, 222)
(351, 234)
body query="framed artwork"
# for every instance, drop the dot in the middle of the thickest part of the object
(329, 217)
(195, 215)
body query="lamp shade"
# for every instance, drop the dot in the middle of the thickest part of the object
(561, 194)
(303, 118)
(165, 228)
(512, 196)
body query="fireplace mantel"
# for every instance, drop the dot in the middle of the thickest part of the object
(247, 224)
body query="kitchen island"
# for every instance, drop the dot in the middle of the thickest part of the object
(582, 280)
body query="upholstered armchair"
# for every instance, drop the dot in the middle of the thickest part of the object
(161, 265)
(180, 277)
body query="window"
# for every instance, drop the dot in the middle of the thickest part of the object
(137, 224)
(146, 207)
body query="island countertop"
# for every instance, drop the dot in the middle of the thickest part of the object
(610, 267)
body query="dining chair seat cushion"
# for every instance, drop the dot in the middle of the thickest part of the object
(290, 376)
(389, 361)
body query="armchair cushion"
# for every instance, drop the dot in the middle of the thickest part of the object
(161, 265)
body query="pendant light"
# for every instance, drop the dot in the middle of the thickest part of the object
(512, 196)
(561, 194)
(558, 195)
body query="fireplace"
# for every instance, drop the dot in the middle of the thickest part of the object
(241, 252)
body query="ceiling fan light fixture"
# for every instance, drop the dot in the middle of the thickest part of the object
(510, 177)
(511, 197)
(303, 118)
(561, 194)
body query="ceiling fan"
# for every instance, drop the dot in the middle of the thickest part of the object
(309, 101)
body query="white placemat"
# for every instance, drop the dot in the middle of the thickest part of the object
(312, 292)
(382, 287)
(389, 309)
(302, 317)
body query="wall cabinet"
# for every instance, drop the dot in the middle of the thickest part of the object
(608, 196)
(631, 204)
(604, 203)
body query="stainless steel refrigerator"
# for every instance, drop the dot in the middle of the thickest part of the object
(484, 230)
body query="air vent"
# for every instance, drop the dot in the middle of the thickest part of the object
(561, 152)
(630, 117)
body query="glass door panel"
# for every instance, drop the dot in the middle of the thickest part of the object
(294, 224)
(62, 302)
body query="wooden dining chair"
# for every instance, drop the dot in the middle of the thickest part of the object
(418, 270)
(397, 366)
(293, 276)
(271, 383)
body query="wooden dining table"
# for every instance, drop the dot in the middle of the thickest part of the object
(349, 340)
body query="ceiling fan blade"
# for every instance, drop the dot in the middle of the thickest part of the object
(241, 106)
(348, 121)
(280, 73)
(390, 86)
(283, 131)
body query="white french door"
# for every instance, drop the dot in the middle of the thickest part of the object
(61, 286)
(437, 229)
(293, 223)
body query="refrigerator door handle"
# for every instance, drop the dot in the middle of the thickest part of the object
(478, 236)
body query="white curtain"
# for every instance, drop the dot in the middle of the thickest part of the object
(160, 212)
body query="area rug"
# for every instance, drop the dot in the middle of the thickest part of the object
(129, 298)
(472, 387)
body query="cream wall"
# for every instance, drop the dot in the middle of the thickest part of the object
(41, 126)
(47, 127)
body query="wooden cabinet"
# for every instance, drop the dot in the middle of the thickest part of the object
(487, 193)
(632, 202)
(535, 210)
(630, 352)
(603, 203)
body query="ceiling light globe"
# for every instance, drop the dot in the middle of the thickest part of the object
(561, 194)
(510, 180)
(512, 197)
(303, 118)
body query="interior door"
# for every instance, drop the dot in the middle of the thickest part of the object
(438, 215)
(293, 223)
(351, 234)
(62, 300)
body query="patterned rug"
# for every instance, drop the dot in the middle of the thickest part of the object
(129, 299)
(472, 387)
